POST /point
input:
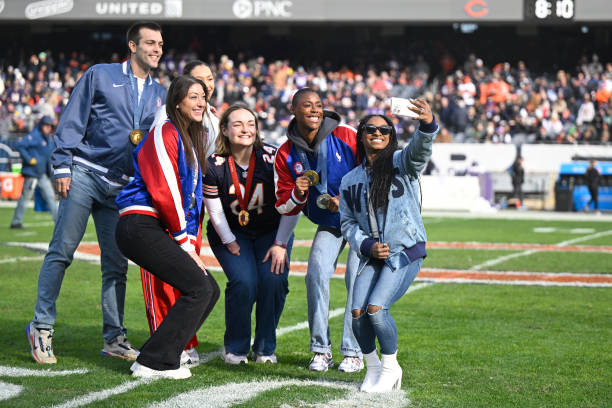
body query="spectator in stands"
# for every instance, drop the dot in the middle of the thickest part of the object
(109, 110)
(592, 178)
(504, 88)
(35, 150)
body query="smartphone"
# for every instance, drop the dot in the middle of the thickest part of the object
(399, 106)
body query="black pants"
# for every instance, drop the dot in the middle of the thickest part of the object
(144, 241)
(518, 192)
(594, 197)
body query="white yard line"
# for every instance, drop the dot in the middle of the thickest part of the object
(104, 394)
(504, 258)
(6, 371)
(8, 390)
(227, 395)
(204, 358)
(22, 259)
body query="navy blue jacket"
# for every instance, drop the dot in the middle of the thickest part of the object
(35, 145)
(94, 129)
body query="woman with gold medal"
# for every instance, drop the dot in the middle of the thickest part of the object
(247, 235)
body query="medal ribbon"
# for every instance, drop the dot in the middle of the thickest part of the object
(321, 165)
(138, 105)
(242, 200)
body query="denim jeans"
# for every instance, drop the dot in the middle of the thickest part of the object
(88, 194)
(379, 285)
(326, 247)
(249, 281)
(47, 191)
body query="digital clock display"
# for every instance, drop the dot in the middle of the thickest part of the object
(550, 10)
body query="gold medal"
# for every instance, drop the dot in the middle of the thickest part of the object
(313, 177)
(243, 218)
(323, 200)
(136, 136)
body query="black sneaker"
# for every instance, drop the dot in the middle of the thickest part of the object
(16, 226)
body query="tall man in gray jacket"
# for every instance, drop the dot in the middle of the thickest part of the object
(109, 111)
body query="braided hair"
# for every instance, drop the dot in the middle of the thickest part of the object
(382, 168)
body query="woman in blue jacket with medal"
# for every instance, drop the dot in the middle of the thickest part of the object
(381, 218)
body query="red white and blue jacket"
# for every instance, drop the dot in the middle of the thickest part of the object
(163, 186)
(341, 143)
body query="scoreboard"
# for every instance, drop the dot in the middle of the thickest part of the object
(550, 10)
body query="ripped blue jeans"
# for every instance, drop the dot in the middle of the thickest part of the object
(379, 285)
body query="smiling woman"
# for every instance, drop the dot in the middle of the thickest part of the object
(247, 235)
(386, 227)
(160, 230)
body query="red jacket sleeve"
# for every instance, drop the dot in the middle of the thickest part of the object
(287, 202)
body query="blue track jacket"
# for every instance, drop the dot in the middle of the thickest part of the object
(94, 129)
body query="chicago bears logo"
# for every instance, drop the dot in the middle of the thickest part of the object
(298, 168)
(219, 160)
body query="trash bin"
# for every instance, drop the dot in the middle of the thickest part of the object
(11, 185)
(564, 198)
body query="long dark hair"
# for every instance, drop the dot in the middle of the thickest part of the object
(382, 168)
(193, 135)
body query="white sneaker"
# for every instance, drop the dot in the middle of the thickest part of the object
(321, 362)
(120, 347)
(231, 358)
(40, 344)
(190, 357)
(351, 364)
(141, 371)
(264, 359)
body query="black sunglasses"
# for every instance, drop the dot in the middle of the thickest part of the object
(384, 130)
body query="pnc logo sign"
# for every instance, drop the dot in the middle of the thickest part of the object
(476, 8)
(244, 9)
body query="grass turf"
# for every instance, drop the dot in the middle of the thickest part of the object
(459, 345)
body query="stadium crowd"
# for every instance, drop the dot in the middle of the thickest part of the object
(477, 102)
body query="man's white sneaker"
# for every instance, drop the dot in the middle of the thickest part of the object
(231, 358)
(120, 347)
(321, 362)
(190, 357)
(351, 364)
(264, 359)
(141, 371)
(40, 344)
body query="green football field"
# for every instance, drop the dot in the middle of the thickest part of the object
(470, 335)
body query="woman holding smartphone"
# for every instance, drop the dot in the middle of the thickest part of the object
(381, 218)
